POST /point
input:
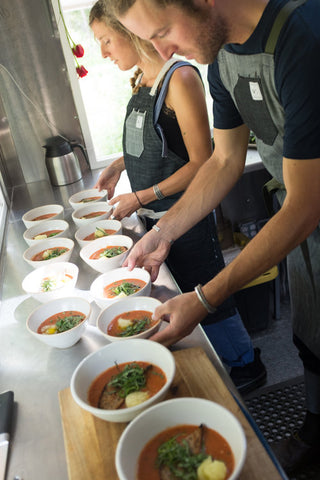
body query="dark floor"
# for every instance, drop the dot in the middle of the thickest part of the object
(278, 407)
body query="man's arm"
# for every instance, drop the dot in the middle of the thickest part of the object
(298, 217)
(213, 181)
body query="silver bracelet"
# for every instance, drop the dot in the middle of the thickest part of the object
(158, 192)
(157, 229)
(204, 302)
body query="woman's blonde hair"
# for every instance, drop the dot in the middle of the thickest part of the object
(102, 13)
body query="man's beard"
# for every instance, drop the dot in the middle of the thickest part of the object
(211, 39)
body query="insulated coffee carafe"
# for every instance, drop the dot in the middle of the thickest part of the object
(62, 162)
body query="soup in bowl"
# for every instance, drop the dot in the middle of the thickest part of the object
(91, 213)
(120, 283)
(90, 382)
(46, 229)
(129, 318)
(106, 253)
(205, 436)
(44, 212)
(46, 252)
(98, 229)
(91, 195)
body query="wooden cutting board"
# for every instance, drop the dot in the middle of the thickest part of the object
(90, 443)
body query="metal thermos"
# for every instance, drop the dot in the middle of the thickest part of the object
(62, 162)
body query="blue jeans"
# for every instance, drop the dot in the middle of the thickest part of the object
(195, 258)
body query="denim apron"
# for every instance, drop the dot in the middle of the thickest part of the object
(148, 161)
(251, 83)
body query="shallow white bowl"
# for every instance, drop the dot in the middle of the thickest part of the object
(97, 286)
(31, 284)
(76, 199)
(46, 226)
(86, 230)
(90, 208)
(128, 304)
(28, 217)
(105, 264)
(46, 244)
(99, 361)
(46, 310)
(192, 411)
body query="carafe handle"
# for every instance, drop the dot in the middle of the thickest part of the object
(74, 145)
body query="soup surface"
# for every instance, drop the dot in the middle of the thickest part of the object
(182, 449)
(89, 199)
(49, 253)
(61, 322)
(98, 233)
(108, 252)
(131, 323)
(47, 234)
(93, 215)
(123, 287)
(43, 217)
(125, 384)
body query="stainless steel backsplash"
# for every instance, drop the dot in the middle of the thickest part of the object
(31, 55)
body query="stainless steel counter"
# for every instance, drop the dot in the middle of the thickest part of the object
(35, 372)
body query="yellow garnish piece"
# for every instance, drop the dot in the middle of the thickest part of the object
(212, 470)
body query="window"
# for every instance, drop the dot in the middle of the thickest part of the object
(103, 94)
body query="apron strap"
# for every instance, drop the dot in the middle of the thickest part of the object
(174, 64)
(279, 22)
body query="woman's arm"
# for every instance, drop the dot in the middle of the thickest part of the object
(109, 177)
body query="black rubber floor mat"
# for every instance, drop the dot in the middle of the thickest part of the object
(278, 410)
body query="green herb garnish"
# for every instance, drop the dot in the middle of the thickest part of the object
(138, 326)
(66, 323)
(131, 379)
(112, 252)
(179, 459)
(47, 285)
(56, 252)
(53, 234)
(127, 288)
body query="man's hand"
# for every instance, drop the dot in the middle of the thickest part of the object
(184, 312)
(150, 252)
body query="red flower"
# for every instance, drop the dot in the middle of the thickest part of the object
(81, 71)
(78, 50)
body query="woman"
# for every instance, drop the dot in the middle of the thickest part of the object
(166, 140)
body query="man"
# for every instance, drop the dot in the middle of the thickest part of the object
(263, 77)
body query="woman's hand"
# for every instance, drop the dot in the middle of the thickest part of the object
(109, 177)
(127, 204)
(184, 312)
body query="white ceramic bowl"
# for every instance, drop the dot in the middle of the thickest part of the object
(105, 264)
(28, 217)
(79, 213)
(97, 286)
(192, 411)
(50, 243)
(106, 357)
(76, 200)
(128, 304)
(43, 227)
(90, 228)
(59, 273)
(46, 310)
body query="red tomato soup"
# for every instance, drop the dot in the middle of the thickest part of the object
(93, 236)
(93, 215)
(110, 291)
(155, 380)
(139, 321)
(68, 319)
(89, 199)
(49, 233)
(44, 217)
(108, 252)
(215, 445)
(49, 253)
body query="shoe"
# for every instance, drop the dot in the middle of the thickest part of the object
(293, 453)
(250, 376)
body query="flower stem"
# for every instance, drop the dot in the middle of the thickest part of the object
(65, 27)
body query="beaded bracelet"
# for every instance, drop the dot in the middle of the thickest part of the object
(158, 192)
(203, 300)
(138, 199)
